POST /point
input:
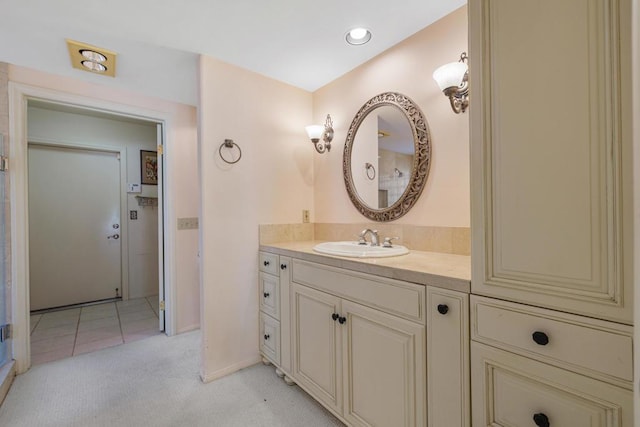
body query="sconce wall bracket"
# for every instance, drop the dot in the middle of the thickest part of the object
(327, 137)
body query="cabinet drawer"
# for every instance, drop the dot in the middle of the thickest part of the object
(270, 338)
(510, 390)
(593, 347)
(268, 263)
(402, 299)
(270, 295)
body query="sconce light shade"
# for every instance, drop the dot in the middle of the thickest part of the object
(453, 80)
(450, 75)
(315, 132)
(324, 132)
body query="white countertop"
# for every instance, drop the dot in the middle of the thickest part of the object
(427, 268)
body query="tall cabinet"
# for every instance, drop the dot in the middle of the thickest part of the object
(551, 212)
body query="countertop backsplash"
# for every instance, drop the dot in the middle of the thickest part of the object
(448, 240)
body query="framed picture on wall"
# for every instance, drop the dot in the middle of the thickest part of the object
(149, 167)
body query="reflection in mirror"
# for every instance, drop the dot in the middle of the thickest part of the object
(385, 142)
(386, 156)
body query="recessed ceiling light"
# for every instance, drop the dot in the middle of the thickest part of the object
(92, 55)
(94, 66)
(358, 36)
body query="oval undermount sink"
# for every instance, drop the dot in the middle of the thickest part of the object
(356, 250)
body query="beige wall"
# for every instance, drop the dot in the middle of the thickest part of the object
(272, 183)
(405, 68)
(182, 178)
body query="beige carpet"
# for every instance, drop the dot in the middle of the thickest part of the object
(154, 382)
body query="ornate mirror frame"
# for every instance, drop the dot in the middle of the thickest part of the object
(421, 158)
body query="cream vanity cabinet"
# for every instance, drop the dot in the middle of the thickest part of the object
(551, 212)
(358, 345)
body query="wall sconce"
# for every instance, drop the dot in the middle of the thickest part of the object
(453, 81)
(317, 132)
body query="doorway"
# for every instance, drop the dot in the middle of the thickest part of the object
(93, 230)
(20, 96)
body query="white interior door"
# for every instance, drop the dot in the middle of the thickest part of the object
(74, 226)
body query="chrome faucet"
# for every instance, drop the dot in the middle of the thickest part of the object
(374, 237)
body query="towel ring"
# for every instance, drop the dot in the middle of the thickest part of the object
(369, 167)
(228, 143)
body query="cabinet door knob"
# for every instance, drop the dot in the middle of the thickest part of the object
(267, 336)
(283, 266)
(540, 338)
(443, 308)
(341, 320)
(266, 263)
(335, 316)
(266, 294)
(541, 420)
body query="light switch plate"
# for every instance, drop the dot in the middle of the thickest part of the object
(188, 223)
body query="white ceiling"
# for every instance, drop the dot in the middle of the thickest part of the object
(299, 42)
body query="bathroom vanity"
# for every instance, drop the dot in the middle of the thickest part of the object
(381, 342)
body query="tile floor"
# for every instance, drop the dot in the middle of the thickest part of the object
(67, 333)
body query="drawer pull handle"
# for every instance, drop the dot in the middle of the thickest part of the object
(342, 320)
(540, 338)
(267, 336)
(266, 263)
(335, 316)
(266, 294)
(541, 420)
(283, 266)
(443, 308)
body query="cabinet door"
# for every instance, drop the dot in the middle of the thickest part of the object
(317, 347)
(551, 154)
(384, 369)
(448, 382)
(510, 390)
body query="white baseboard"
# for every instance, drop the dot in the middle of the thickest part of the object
(208, 377)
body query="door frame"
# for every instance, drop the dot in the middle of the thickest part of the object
(124, 224)
(19, 95)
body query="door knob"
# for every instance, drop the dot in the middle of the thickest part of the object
(115, 236)
(116, 226)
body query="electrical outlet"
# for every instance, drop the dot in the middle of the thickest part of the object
(305, 216)
(188, 223)
(133, 215)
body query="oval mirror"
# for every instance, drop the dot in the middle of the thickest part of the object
(386, 156)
